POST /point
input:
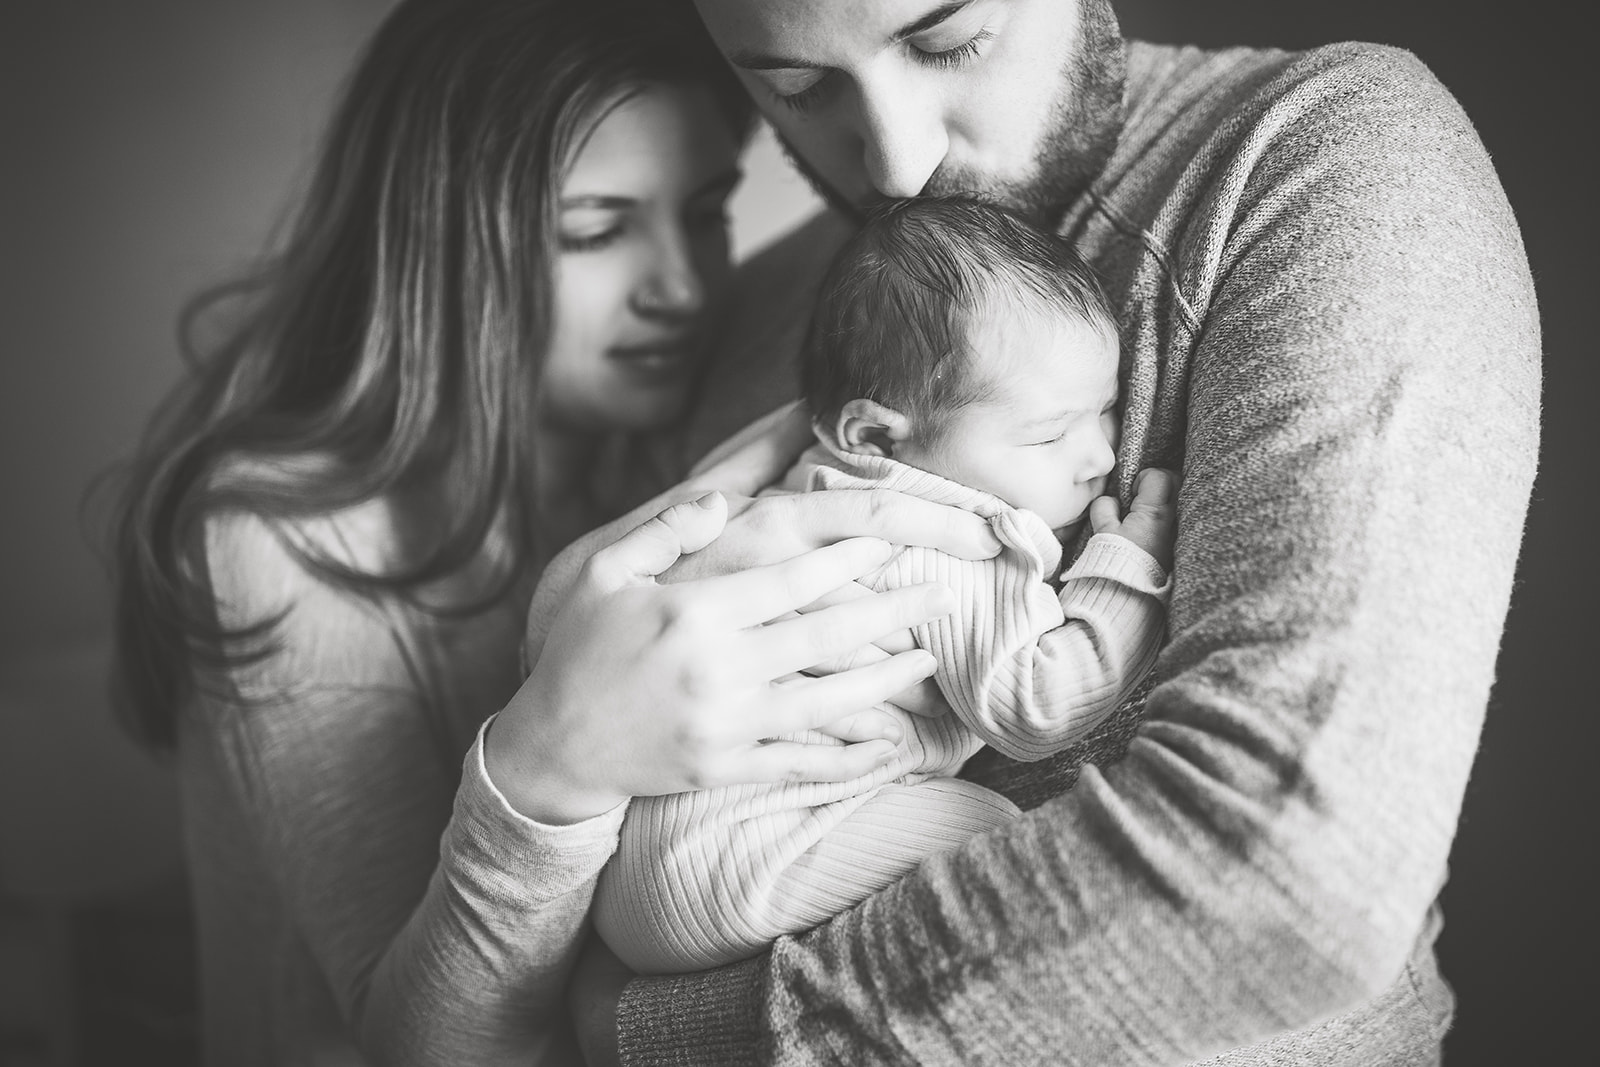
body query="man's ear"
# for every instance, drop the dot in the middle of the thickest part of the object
(869, 427)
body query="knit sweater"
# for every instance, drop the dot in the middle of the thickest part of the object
(1329, 328)
(714, 876)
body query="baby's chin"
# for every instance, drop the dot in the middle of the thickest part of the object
(1071, 530)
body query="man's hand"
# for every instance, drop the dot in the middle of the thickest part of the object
(1152, 517)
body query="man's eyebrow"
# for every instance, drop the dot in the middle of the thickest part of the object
(931, 19)
(766, 61)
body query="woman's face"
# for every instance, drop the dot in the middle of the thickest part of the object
(643, 258)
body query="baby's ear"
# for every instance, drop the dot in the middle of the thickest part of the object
(870, 428)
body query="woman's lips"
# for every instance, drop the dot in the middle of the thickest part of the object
(668, 360)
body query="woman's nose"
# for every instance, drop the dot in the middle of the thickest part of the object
(673, 286)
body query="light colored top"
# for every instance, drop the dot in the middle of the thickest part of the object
(355, 872)
(713, 876)
(1021, 678)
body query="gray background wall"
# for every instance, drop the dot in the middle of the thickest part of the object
(149, 147)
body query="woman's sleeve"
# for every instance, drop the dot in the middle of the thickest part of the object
(443, 921)
(1361, 437)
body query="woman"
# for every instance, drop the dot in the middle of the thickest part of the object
(505, 262)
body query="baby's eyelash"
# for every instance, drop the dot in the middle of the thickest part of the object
(955, 57)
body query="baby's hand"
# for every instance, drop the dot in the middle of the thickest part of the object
(1152, 517)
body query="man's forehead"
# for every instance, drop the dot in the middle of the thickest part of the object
(772, 33)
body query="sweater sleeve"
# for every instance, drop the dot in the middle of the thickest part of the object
(1360, 437)
(1028, 670)
(443, 921)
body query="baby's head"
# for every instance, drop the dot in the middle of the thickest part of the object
(953, 336)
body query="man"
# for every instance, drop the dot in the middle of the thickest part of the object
(1329, 327)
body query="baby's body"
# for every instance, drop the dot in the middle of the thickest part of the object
(702, 879)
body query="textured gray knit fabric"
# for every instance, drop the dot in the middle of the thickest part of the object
(1330, 329)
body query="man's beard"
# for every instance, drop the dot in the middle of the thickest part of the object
(1085, 122)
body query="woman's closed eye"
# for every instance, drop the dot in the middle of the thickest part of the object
(589, 228)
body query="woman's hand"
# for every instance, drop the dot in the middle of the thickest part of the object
(763, 530)
(645, 689)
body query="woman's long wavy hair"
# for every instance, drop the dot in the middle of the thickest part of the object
(393, 342)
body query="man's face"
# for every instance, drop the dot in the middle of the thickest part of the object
(1017, 100)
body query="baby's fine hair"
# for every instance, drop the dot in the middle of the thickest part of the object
(892, 320)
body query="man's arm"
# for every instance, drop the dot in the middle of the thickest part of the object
(1362, 413)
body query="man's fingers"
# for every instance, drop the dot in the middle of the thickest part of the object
(923, 699)
(821, 636)
(862, 656)
(870, 725)
(899, 518)
(813, 703)
(842, 594)
(790, 761)
(761, 594)
(654, 545)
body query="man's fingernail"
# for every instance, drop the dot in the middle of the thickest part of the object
(708, 501)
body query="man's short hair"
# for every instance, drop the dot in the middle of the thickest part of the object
(892, 320)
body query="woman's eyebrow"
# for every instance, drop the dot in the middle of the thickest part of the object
(767, 61)
(597, 200)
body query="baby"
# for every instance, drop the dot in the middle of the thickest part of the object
(962, 356)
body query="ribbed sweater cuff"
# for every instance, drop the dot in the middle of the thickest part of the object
(709, 1018)
(1114, 556)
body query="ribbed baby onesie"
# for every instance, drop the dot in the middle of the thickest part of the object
(704, 878)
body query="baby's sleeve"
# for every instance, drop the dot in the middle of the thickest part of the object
(1031, 671)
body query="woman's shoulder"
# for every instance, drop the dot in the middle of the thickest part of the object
(262, 566)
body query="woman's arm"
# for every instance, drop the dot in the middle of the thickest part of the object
(445, 918)
(442, 920)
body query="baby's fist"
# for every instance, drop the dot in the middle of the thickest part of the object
(1152, 517)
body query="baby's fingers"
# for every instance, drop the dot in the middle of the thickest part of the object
(1104, 515)
(1155, 488)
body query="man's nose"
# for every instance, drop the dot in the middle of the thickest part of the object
(903, 136)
